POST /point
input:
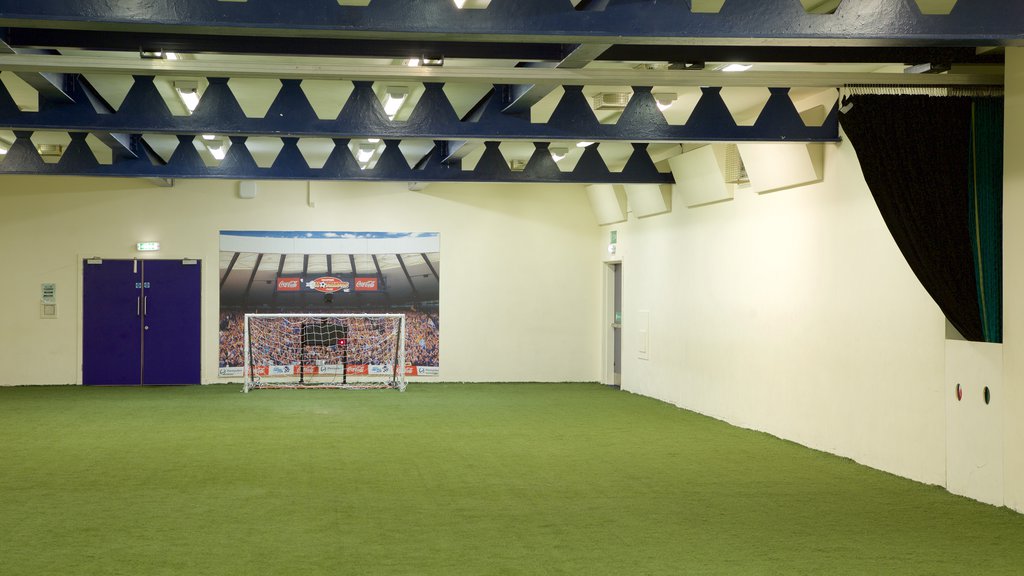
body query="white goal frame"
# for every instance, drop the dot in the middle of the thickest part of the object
(395, 378)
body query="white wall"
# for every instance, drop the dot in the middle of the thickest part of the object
(793, 313)
(519, 284)
(1013, 281)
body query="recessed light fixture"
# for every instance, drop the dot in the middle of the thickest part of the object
(558, 152)
(432, 61)
(736, 67)
(412, 62)
(611, 100)
(365, 153)
(394, 97)
(53, 150)
(209, 137)
(218, 149)
(665, 99)
(583, 144)
(373, 140)
(171, 56)
(188, 92)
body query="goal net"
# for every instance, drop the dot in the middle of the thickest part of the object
(324, 351)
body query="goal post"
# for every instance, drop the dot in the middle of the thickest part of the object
(354, 351)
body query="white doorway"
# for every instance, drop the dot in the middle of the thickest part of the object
(612, 325)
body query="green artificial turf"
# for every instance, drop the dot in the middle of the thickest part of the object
(451, 479)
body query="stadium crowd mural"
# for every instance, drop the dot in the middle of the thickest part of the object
(391, 273)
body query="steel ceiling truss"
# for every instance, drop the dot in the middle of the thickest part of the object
(79, 160)
(854, 22)
(291, 117)
(291, 114)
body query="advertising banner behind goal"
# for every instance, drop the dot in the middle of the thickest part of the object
(329, 272)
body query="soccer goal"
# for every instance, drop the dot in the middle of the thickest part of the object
(324, 351)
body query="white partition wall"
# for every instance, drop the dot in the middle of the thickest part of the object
(793, 313)
(1013, 280)
(520, 283)
(974, 420)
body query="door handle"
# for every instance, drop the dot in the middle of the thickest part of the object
(145, 305)
(138, 306)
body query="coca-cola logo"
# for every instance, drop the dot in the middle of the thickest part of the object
(366, 284)
(288, 284)
(328, 284)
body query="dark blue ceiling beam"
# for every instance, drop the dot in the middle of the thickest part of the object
(51, 86)
(64, 90)
(185, 162)
(749, 22)
(525, 96)
(291, 115)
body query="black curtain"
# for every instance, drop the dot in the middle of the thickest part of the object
(915, 155)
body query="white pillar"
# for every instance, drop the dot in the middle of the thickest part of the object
(1013, 282)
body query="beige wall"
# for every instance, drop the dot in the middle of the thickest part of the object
(793, 313)
(1013, 282)
(519, 286)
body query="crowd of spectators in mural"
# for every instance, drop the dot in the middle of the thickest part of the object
(421, 341)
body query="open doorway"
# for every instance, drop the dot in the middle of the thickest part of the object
(612, 326)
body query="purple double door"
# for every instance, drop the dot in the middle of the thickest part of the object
(141, 322)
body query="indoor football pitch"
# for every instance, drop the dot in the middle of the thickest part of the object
(451, 479)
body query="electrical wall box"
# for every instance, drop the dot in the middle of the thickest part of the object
(48, 301)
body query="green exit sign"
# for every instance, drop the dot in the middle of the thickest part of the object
(147, 246)
(613, 237)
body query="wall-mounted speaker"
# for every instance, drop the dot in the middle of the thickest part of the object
(773, 166)
(608, 203)
(649, 199)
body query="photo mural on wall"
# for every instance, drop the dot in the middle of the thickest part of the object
(302, 272)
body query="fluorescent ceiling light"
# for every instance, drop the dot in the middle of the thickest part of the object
(412, 62)
(365, 153)
(171, 56)
(209, 137)
(54, 150)
(611, 100)
(460, 3)
(583, 144)
(558, 152)
(394, 98)
(218, 149)
(737, 67)
(373, 140)
(188, 92)
(665, 99)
